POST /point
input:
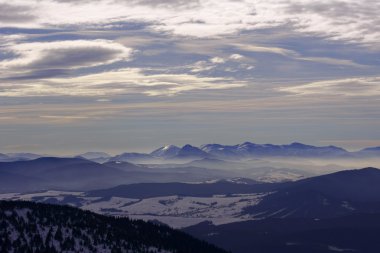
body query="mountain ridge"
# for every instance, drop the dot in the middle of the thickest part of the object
(330, 195)
(35, 227)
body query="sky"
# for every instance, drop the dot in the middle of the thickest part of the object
(121, 76)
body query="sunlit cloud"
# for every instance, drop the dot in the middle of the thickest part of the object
(346, 20)
(261, 49)
(353, 87)
(64, 54)
(123, 81)
(295, 55)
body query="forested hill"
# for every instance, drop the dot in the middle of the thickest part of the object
(34, 227)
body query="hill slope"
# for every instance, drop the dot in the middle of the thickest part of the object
(32, 227)
(331, 195)
(355, 233)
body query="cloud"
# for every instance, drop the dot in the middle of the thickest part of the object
(236, 57)
(217, 60)
(15, 14)
(346, 20)
(262, 49)
(64, 54)
(120, 82)
(202, 66)
(165, 3)
(232, 63)
(351, 87)
(295, 55)
(330, 61)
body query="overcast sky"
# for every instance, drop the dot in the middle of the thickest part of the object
(133, 75)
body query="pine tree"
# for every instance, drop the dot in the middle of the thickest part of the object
(58, 235)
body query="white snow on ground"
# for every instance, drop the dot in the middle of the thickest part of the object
(29, 196)
(179, 211)
(176, 211)
(23, 213)
(347, 205)
(279, 176)
(333, 248)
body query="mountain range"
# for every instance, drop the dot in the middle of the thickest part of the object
(80, 174)
(246, 150)
(252, 150)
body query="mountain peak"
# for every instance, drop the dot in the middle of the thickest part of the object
(372, 149)
(299, 144)
(166, 151)
(94, 155)
(191, 151)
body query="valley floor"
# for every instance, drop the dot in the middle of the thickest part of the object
(175, 211)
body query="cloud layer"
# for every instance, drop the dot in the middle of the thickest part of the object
(352, 87)
(279, 70)
(123, 81)
(346, 20)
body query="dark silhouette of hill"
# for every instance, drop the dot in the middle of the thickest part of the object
(331, 195)
(32, 227)
(150, 190)
(355, 233)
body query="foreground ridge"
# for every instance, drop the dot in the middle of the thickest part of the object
(36, 227)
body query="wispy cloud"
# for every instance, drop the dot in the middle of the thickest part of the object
(352, 87)
(262, 49)
(295, 55)
(123, 81)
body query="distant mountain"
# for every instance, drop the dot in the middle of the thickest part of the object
(98, 157)
(134, 158)
(295, 149)
(331, 195)
(11, 157)
(59, 173)
(4, 158)
(215, 164)
(166, 152)
(150, 190)
(23, 156)
(374, 151)
(124, 166)
(246, 150)
(218, 150)
(35, 228)
(354, 233)
(78, 174)
(12, 182)
(189, 151)
(94, 155)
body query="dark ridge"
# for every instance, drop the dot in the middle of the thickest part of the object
(353, 233)
(150, 190)
(70, 229)
(331, 195)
